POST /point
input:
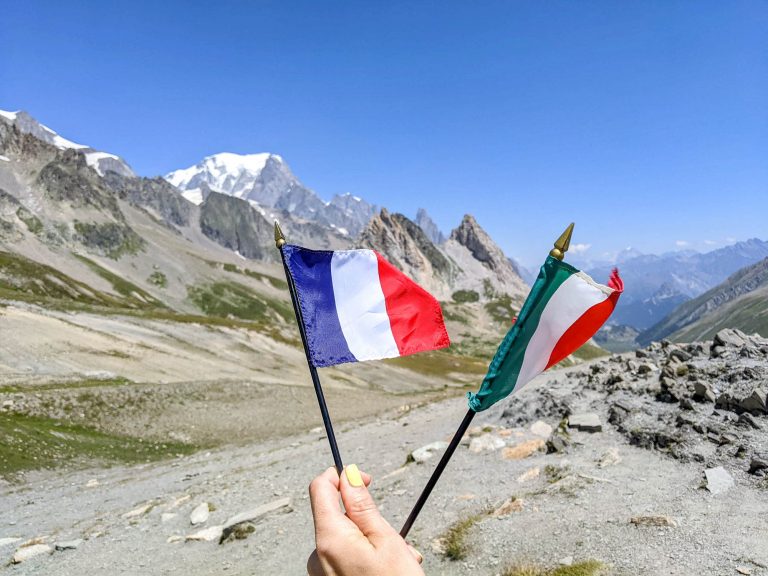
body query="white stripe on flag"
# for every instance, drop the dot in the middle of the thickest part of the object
(360, 305)
(574, 297)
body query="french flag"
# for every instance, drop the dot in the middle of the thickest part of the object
(357, 306)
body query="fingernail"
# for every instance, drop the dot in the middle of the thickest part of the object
(353, 475)
(419, 558)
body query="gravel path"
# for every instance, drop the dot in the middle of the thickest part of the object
(586, 514)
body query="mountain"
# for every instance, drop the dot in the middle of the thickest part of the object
(469, 261)
(739, 302)
(656, 285)
(428, 226)
(266, 180)
(102, 162)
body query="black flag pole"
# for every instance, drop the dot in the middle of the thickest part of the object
(561, 246)
(280, 242)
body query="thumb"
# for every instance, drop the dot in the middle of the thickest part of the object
(360, 506)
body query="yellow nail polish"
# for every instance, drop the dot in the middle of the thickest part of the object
(353, 475)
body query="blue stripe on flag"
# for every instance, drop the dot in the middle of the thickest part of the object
(311, 272)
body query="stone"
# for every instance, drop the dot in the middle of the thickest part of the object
(702, 392)
(557, 444)
(610, 458)
(68, 544)
(508, 507)
(200, 514)
(239, 531)
(167, 516)
(718, 480)
(255, 513)
(663, 521)
(645, 368)
(680, 355)
(26, 552)
(210, 534)
(174, 539)
(136, 512)
(589, 422)
(529, 475)
(748, 421)
(523, 450)
(759, 464)
(486, 443)
(729, 337)
(755, 402)
(567, 561)
(92, 483)
(421, 455)
(743, 570)
(541, 428)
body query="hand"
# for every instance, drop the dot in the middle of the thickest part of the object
(360, 542)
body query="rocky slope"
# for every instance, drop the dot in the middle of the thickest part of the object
(739, 302)
(656, 285)
(575, 467)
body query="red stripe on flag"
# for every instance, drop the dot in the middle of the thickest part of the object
(414, 315)
(583, 329)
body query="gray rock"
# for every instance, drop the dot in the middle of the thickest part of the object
(702, 392)
(256, 513)
(589, 422)
(557, 444)
(755, 402)
(653, 521)
(68, 544)
(200, 514)
(8, 541)
(718, 480)
(26, 552)
(730, 337)
(421, 455)
(486, 443)
(747, 420)
(209, 534)
(759, 464)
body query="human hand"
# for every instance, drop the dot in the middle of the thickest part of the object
(360, 542)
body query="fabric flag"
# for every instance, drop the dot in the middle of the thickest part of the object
(564, 309)
(357, 306)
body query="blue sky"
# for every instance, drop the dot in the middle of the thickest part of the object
(645, 122)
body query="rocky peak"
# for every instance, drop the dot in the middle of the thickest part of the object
(404, 244)
(471, 235)
(429, 227)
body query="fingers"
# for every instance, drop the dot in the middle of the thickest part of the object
(360, 506)
(415, 553)
(324, 496)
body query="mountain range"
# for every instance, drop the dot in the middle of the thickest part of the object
(87, 215)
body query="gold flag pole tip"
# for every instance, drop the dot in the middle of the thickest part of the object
(563, 243)
(279, 238)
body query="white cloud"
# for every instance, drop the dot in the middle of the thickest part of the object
(682, 243)
(710, 242)
(579, 248)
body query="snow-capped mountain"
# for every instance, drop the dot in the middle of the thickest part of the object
(266, 179)
(102, 162)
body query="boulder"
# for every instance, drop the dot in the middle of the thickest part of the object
(755, 403)
(541, 428)
(730, 337)
(486, 443)
(26, 552)
(421, 455)
(718, 480)
(68, 544)
(589, 422)
(523, 450)
(702, 392)
(758, 465)
(200, 514)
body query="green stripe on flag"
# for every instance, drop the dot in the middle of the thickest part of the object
(504, 369)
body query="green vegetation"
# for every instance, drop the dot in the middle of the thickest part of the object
(590, 352)
(556, 473)
(112, 238)
(464, 296)
(32, 442)
(441, 364)
(233, 300)
(588, 568)
(158, 279)
(139, 298)
(275, 282)
(31, 221)
(455, 542)
(501, 309)
(69, 384)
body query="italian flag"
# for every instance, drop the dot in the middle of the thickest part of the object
(564, 309)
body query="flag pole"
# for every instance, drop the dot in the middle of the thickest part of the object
(279, 243)
(561, 247)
